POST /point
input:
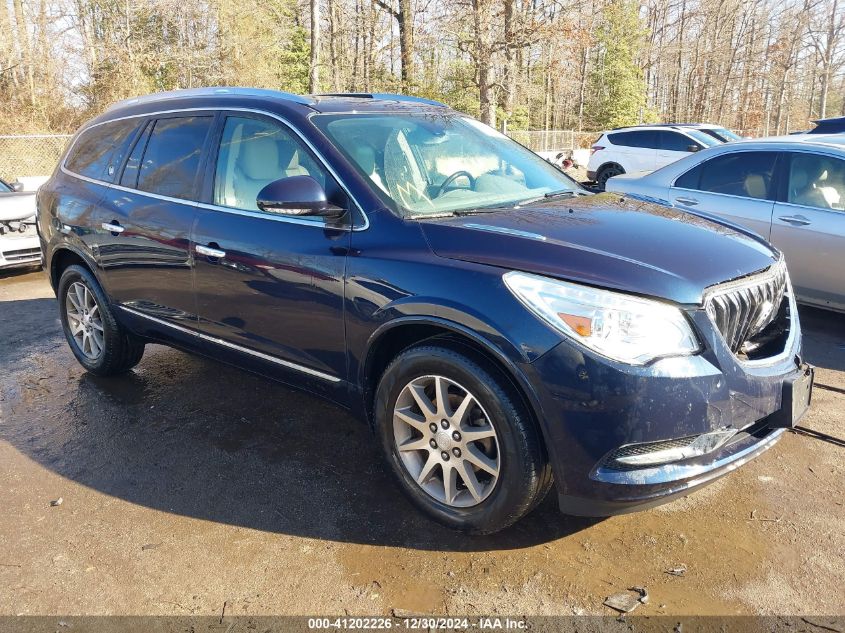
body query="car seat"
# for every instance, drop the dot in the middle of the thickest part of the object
(802, 184)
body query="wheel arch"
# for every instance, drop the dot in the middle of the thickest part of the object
(610, 163)
(400, 334)
(64, 256)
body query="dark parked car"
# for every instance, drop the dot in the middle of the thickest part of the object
(499, 328)
(835, 125)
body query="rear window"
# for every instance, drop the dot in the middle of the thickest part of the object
(172, 157)
(99, 150)
(639, 138)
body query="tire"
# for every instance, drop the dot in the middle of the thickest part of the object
(607, 172)
(102, 346)
(481, 502)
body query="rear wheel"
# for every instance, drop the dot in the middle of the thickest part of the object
(98, 341)
(459, 440)
(605, 173)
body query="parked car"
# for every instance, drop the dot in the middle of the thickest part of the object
(19, 245)
(790, 190)
(643, 148)
(834, 125)
(719, 132)
(499, 328)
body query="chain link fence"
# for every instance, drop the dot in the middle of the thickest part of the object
(30, 156)
(36, 155)
(553, 140)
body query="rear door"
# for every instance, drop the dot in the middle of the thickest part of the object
(738, 186)
(270, 285)
(637, 149)
(808, 225)
(147, 218)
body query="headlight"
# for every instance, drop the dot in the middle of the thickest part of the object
(619, 326)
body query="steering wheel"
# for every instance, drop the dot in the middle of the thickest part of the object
(445, 184)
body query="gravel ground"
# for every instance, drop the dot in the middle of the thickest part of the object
(187, 484)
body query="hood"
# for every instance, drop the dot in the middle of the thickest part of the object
(17, 206)
(606, 241)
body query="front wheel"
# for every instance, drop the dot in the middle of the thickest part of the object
(459, 440)
(99, 342)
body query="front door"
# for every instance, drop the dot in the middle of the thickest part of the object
(808, 225)
(269, 284)
(673, 146)
(145, 248)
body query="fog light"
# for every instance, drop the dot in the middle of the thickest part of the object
(672, 450)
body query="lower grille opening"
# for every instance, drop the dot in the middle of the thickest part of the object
(22, 254)
(651, 454)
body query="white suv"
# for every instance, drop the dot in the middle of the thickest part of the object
(649, 147)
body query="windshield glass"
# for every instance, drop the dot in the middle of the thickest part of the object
(4, 188)
(428, 163)
(726, 134)
(704, 139)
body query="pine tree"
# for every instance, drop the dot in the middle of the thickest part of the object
(617, 87)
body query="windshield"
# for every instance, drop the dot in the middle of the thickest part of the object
(724, 134)
(432, 164)
(4, 188)
(703, 138)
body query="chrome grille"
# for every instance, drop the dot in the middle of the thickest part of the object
(743, 308)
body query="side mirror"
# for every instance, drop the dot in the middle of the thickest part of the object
(693, 148)
(297, 196)
(16, 186)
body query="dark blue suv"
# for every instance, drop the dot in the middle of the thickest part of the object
(501, 329)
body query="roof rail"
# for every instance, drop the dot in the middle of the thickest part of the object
(211, 92)
(386, 96)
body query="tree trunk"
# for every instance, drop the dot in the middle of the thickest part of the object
(405, 17)
(314, 70)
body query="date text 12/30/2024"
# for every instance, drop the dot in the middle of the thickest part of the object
(418, 623)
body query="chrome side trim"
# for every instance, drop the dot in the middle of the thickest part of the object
(239, 348)
(506, 231)
(272, 115)
(669, 473)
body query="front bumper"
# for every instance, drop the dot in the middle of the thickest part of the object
(592, 406)
(19, 249)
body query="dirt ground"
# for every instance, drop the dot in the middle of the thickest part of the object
(187, 484)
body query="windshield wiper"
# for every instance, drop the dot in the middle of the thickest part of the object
(551, 194)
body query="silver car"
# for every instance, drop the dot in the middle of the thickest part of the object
(790, 190)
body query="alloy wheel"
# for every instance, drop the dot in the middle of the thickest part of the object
(84, 320)
(445, 441)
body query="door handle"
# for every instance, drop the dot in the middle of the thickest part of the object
(113, 227)
(208, 251)
(797, 220)
(691, 202)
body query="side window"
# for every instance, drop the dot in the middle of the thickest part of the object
(639, 138)
(675, 142)
(816, 181)
(172, 157)
(690, 179)
(100, 150)
(646, 139)
(745, 174)
(129, 178)
(621, 138)
(255, 152)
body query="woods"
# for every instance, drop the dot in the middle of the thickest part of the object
(759, 66)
